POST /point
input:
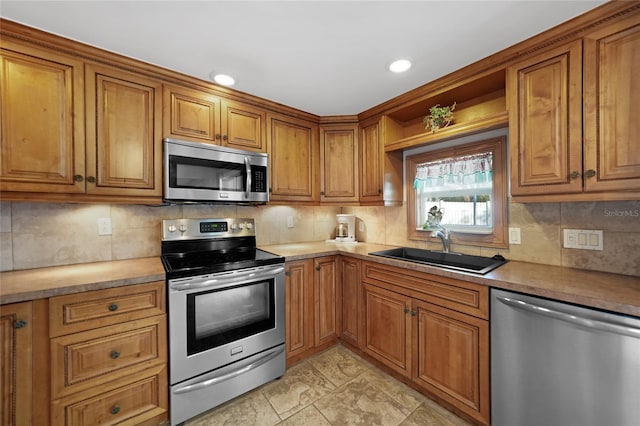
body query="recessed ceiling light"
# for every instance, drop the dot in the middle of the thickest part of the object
(401, 65)
(224, 79)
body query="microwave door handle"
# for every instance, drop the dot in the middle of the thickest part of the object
(247, 165)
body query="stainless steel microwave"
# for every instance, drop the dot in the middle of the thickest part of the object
(198, 172)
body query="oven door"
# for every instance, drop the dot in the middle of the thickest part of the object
(201, 172)
(219, 319)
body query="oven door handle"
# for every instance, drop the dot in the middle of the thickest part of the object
(213, 379)
(247, 166)
(228, 279)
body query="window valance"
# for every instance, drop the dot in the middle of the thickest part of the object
(474, 170)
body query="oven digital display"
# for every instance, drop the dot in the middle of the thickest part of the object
(206, 227)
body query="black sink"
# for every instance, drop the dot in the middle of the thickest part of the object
(457, 261)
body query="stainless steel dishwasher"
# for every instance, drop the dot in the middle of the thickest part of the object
(556, 364)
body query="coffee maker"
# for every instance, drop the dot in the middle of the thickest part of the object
(346, 229)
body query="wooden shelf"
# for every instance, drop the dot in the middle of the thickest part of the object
(494, 121)
(480, 106)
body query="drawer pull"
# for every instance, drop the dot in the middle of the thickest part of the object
(19, 324)
(113, 307)
(115, 409)
(115, 354)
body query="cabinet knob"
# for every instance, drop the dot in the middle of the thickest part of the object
(574, 175)
(91, 179)
(78, 178)
(225, 138)
(317, 268)
(115, 409)
(321, 192)
(590, 173)
(287, 273)
(19, 324)
(113, 307)
(115, 355)
(379, 191)
(217, 136)
(406, 310)
(414, 313)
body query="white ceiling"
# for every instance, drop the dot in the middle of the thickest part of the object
(323, 57)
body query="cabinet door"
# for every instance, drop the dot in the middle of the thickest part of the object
(387, 330)
(293, 153)
(124, 133)
(326, 291)
(545, 122)
(191, 115)
(350, 300)
(15, 364)
(339, 163)
(371, 164)
(42, 121)
(243, 127)
(612, 107)
(452, 357)
(299, 307)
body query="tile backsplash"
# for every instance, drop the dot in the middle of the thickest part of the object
(36, 235)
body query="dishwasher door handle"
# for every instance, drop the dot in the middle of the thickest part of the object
(597, 324)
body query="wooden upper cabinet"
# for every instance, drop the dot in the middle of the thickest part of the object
(545, 123)
(612, 107)
(293, 154)
(191, 115)
(124, 132)
(200, 116)
(371, 163)
(244, 127)
(42, 120)
(339, 163)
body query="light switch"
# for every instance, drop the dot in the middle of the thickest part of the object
(584, 239)
(514, 236)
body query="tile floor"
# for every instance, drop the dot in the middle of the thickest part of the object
(335, 387)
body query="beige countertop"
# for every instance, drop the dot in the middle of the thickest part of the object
(613, 292)
(31, 284)
(602, 290)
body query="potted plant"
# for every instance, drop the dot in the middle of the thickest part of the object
(439, 117)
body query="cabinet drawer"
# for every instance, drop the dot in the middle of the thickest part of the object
(462, 296)
(86, 359)
(99, 308)
(144, 398)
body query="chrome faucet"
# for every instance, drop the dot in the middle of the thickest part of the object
(444, 235)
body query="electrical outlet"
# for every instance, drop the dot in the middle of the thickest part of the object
(583, 239)
(289, 221)
(514, 236)
(360, 226)
(104, 226)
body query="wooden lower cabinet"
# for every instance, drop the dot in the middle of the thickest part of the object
(311, 312)
(108, 352)
(299, 308)
(451, 357)
(24, 396)
(387, 335)
(16, 364)
(415, 325)
(350, 300)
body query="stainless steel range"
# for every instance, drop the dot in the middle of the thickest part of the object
(226, 312)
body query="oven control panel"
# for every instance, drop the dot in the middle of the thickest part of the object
(191, 229)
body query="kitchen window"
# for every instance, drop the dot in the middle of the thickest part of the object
(468, 184)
